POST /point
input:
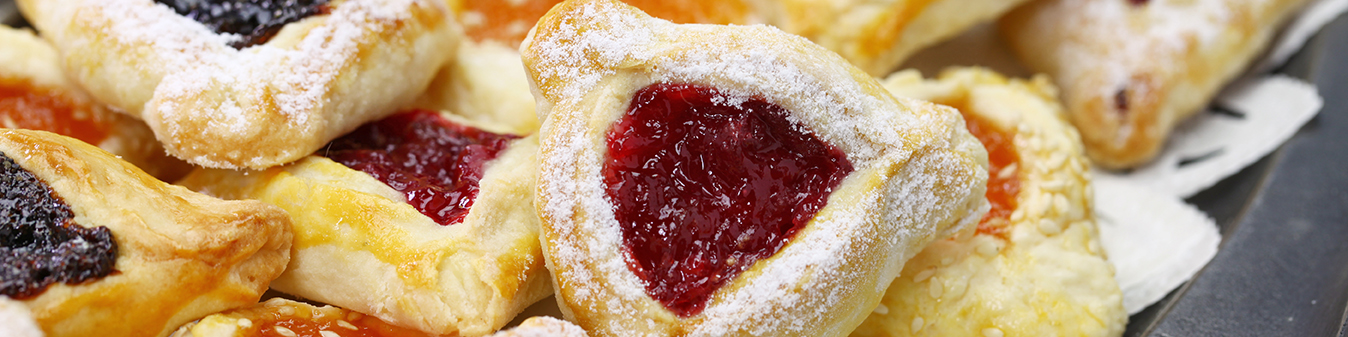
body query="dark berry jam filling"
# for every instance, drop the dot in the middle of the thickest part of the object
(1003, 175)
(39, 244)
(434, 162)
(703, 188)
(255, 21)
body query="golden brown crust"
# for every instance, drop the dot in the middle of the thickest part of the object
(877, 35)
(261, 106)
(920, 175)
(361, 246)
(27, 62)
(1129, 73)
(1046, 275)
(181, 255)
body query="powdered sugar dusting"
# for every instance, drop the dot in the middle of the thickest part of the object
(919, 174)
(1138, 34)
(198, 73)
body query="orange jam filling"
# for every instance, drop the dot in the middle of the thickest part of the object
(302, 321)
(24, 106)
(1003, 175)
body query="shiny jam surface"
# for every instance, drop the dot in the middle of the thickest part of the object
(703, 188)
(435, 163)
(1003, 175)
(24, 106)
(304, 321)
(39, 243)
(255, 21)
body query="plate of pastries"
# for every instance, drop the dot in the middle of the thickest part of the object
(618, 168)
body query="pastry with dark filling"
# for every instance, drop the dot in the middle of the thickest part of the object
(419, 219)
(95, 247)
(249, 84)
(730, 180)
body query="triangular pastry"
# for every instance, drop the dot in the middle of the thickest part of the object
(730, 180)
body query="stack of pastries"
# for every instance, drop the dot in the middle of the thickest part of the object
(435, 167)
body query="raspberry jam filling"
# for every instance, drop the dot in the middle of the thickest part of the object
(704, 187)
(24, 106)
(435, 163)
(1003, 175)
(39, 243)
(255, 21)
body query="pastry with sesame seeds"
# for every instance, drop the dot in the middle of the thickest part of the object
(711, 180)
(1034, 265)
(249, 84)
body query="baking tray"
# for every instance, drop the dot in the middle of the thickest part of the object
(1282, 269)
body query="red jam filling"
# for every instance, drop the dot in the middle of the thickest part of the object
(28, 107)
(435, 163)
(1003, 185)
(703, 188)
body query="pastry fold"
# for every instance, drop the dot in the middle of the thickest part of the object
(261, 106)
(361, 246)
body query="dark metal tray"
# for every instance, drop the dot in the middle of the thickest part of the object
(1282, 269)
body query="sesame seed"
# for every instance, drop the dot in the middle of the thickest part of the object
(992, 332)
(923, 275)
(284, 332)
(244, 323)
(917, 324)
(347, 325)
(881, 309)
(326, 333)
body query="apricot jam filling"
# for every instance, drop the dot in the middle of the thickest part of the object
(25, 106)
(39, 242)
(434, 162)
(254, 21)
(1003, 175)
(703, 187)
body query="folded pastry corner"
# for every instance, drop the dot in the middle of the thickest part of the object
(1131, 70)
(715, 180)
(96, 247)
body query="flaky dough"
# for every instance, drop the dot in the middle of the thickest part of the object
(180, 254)
(261, 106)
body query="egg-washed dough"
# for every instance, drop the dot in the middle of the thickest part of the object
(920, 176)
(276, 316)
(180, 255)
(359, 244)
(261, 106)
(1048, 275)
(1131, 70)
(878, 35)
(27, 62)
